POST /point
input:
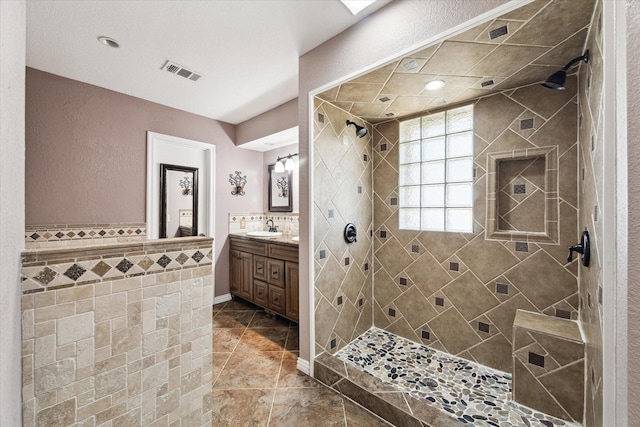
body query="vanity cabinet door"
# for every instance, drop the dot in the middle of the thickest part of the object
(235, 272)
(292, 290)
(277, 299)
(241, 274)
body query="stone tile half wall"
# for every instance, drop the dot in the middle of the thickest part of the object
(118, 335)
(460, 292)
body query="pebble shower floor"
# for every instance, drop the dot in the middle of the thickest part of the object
(473, 394)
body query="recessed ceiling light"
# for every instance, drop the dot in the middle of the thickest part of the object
(356, 6)
(108, 41)
(434, 85)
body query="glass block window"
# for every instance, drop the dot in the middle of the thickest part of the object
(436, 171)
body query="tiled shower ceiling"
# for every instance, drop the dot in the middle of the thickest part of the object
(519, 48)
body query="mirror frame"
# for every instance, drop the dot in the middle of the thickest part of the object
(164, 168)
(285, 208)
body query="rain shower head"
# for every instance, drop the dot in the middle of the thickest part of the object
(360, 131)
(556, 80)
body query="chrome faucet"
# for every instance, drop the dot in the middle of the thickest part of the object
(272, 228)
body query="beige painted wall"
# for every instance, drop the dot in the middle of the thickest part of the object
(86, 157)
(633, 164)
(280, 118)
(12, 76)
(398, 27)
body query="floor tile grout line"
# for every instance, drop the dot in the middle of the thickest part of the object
(275, 389)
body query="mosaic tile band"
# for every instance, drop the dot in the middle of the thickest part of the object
(50, 269)
(36, 236)
(473, 394)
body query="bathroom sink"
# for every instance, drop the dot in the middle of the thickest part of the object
(296, 238)
(264, 234)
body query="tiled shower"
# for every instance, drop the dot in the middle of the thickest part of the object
(459, 292)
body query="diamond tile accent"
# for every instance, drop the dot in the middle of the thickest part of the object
(145, 263)
(59, 235)
(522, 247)
(536, 359)
(197, 256)
(182, 258)
(102, 232)
(124, 265)
(46, 276)
(502, 288)
(520, 189)
(35, 236)
(75, 272)
(164, 261)
(82, 234)
(101, 268)
(526, 124)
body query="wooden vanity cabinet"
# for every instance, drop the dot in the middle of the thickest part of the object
(240, 274)
(266, 274)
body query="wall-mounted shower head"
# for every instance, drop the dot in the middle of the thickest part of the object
(360, 131)
(556, 80)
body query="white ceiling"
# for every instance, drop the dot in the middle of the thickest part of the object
(247, 50)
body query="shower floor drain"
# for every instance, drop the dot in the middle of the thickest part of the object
(473, 394)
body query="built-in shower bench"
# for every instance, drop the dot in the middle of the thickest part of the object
(548, 365)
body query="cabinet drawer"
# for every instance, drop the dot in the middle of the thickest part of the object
(275, 275)
(257, 248)
(276, 299)
(260, 293)
(287, 253)
(260, 268)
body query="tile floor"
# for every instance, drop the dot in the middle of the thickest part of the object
(255, 380)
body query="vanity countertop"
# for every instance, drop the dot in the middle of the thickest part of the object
(285, 239)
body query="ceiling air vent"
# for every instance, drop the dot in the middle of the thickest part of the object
(174, 68)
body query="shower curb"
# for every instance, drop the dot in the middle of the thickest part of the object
(384, 400)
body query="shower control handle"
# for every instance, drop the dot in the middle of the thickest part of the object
(572, 249)
(350, 233)
(583, 248)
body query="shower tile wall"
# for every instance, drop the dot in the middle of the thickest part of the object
(591, 142)
(342, 194)
(460, 292)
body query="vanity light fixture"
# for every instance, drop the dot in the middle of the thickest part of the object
(288, 164)
(108, 41)
(434, 85)
(238, 181)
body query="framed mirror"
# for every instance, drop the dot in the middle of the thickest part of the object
(280, 194)
(178, 201)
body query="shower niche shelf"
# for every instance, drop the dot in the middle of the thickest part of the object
(522, 195)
